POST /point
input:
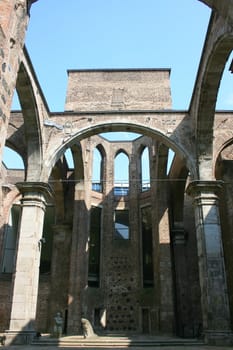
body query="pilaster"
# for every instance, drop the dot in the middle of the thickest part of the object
(214, 297)
(60, 272)
(78, 262)
(26, 275)
(179, 240)
(165, 277)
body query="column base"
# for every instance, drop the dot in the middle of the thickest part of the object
(218, 338)
(19, 337)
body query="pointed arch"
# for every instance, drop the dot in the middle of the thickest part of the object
(98, 168)
(121, 173)
(145, 168)
(31, 120)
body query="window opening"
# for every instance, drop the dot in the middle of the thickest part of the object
(97, 171)
(171, 155)
(121, 175)
(145, 170)
(69, 158)
(121, 224)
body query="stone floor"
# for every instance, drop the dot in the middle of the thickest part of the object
(29, 347)
(116, 343)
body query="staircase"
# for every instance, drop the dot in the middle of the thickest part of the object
(111, 342)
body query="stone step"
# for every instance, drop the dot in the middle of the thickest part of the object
(115, 342)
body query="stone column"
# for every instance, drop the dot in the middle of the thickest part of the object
(214, 297)
(26, 275)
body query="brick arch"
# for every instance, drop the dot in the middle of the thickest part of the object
(59, 146)
(224, 154)
(141, 148)
(224, 147)
(209, 92)
(32, 127)
(101, 149)
(121, 150)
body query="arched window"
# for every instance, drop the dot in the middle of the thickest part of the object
(171, 155)
(97, 171)
(145, 170)
(121, 174)
(69, 158)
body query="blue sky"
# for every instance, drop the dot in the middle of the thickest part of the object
(79, 34)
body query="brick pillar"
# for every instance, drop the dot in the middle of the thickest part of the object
(166, 322)
(26, 275)
(214, 297)
(78, 261)
(181, 281)
(14, 17)
(60, 272)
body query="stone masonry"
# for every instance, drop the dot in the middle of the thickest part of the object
(139, 256)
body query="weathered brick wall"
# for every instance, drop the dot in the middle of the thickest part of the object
(121, 291)
(13, 22)
(118, 90)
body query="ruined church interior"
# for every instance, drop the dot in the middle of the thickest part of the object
(134, 235)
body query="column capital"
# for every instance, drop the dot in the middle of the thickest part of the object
(31, 189)
(202, 187)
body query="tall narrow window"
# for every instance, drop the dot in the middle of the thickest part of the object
(147, 248)
(171, 155)
(69, 158)
(10, 240)
(121, 224)
(97, 171)
(94, 247)
(121, 174)
(145, 170)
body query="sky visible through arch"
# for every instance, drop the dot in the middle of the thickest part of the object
(80, 34)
